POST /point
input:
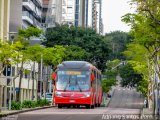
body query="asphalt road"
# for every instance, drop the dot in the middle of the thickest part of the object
(126, 98)
(124, 102)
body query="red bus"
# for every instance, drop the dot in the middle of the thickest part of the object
(77, 83)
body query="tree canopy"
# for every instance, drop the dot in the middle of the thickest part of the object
(91, 44)
(145, 24)
(117, 41)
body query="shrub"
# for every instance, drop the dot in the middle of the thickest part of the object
(16, 105)
(43, 102)
(29, 104)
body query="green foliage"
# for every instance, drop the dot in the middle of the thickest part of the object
(109, 81)
(75, 53)
(111, 74)
(53, 55)
(129, 76)
(43, 102)
(34, 52)
(5, 52)
(29, 104)
(85, 38)
(16, 105)
(143, 87)
(117, 42)
(145, 27)
(30, 32)
(112, 64)
(107, 84)
(136, 52)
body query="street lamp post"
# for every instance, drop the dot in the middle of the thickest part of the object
(11, 78)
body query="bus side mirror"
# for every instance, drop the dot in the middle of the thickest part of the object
(92, 77)
(54, 76)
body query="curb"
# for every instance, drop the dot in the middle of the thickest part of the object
(22, 111)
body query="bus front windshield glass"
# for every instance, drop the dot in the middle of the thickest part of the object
(73, 80)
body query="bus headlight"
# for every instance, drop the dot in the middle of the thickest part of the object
(87, 94)
(58, 94)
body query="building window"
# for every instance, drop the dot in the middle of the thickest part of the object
(69, 10)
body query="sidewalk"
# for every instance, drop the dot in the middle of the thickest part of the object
(106, 99)
(12, 112)
(147, 111)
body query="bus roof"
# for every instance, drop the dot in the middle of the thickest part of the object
(82, 65)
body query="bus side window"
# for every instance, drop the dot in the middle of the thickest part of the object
(94, 81)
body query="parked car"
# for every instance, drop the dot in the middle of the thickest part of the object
(48, 97)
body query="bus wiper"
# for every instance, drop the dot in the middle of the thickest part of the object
(78, 85)
(67, 83)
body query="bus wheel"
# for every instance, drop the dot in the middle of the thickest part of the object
(88, 106)
(96, 105)
(99, 105)
(92, 106)
(59, 106)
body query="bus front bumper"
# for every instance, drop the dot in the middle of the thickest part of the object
(80, 101)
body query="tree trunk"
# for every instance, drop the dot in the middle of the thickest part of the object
(20, 81)
(33, 77)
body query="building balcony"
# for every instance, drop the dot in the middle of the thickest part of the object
(28, 4)
(32, 7)
(26, 16)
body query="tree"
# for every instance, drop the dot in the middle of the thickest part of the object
(5, 54)
(113, 64)
(110, 74)
(30, 32)
(117, 41)
(50, 56)
(129, 76)
(146, 28)
(34, 54)
(85, 38)
(137, 56)
(54, 55)
(75, 53)
(24, 35)
(107, 84)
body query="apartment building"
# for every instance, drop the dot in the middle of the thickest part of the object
(85, 13)
(97, 23)
(4, 29)
(4, 19)
(28, 13)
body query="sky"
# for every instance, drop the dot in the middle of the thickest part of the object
(112, 11)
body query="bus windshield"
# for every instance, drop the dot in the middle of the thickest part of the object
(73, 80)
